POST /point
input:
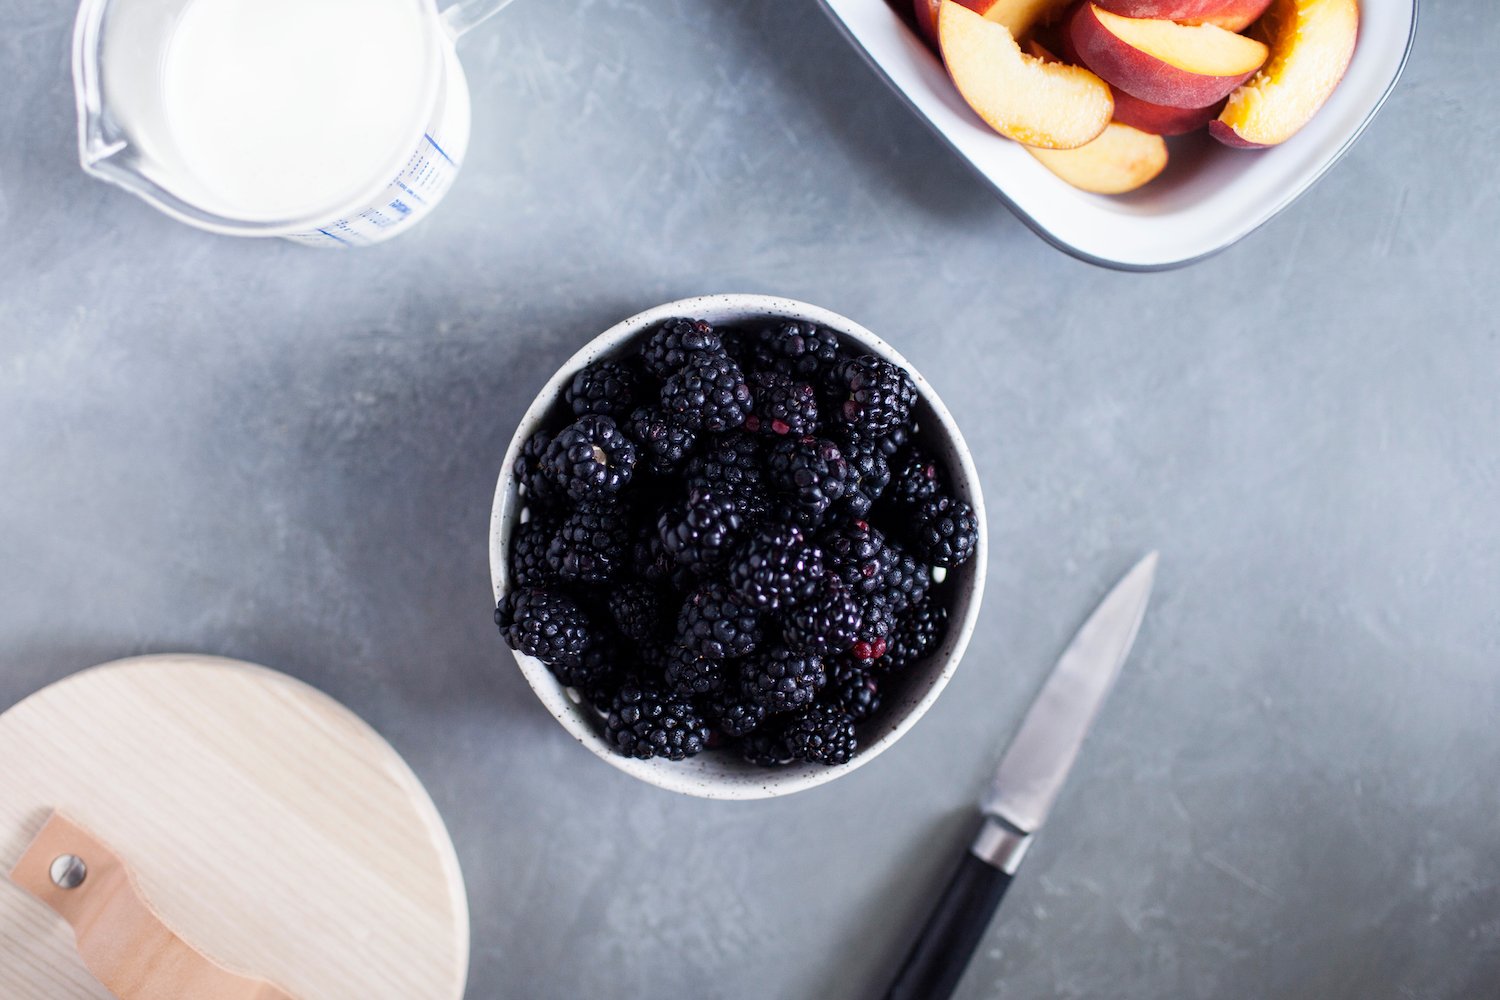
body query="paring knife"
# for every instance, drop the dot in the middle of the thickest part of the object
(1025, 785)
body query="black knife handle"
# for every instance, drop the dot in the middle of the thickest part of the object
(942, 951)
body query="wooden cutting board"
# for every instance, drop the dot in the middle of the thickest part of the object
(265, 823)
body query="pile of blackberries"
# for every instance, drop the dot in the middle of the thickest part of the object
(737, 540)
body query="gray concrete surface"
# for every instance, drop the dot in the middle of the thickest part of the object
(255, 450)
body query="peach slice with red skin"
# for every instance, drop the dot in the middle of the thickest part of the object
(1163, 62)
(1159, 119)
(1020, 16)
(925, 12)
(1231, 15)
(1120, 160)
(1311, 43)
(1048, 105)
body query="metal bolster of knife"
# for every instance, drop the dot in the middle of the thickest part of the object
(1000, 845)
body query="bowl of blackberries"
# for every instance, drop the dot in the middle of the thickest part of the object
(737, 546)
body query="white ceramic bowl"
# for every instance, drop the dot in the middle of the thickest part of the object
(1210, 196)
(718, 775)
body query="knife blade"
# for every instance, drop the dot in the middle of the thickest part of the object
(1044, 749)
(1024, 788)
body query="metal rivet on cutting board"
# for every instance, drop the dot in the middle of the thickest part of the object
(69, 871)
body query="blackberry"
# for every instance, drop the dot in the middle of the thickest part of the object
(644, 723)
(752, 503)
(546, 625)
(827, 622)
(917, 636)
(531, 470)
(718, 623)
(777, 567)
(782, 405)
(528, 555)
(856, 554)
(945, 531)
(781, 680)
(702, 532)
(731, 466)
(663, 442)
(904, 581)
(916, 479)
(592, 544)
(869, 473)
(854, 689)
(735, 714)
(674, 342)
(810, 473)
(591, 459)
(824, 734)
(637, 610)
(873, 395)
(607, 388)
(800, 350)
(766, 749)
(875, 626)
(708, 394)
(689, 673)
(732, 461)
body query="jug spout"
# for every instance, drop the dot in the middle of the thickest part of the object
(111, 39)
(97, 143)
(94, 154)
(92, 146)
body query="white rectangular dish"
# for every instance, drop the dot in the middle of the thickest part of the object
(1209, 197)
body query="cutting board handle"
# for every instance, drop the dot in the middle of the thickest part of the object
(122, 940)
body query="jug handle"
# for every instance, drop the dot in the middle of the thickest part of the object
(461, 15)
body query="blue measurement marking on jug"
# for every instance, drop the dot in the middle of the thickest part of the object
(427, 176)
(410, 196)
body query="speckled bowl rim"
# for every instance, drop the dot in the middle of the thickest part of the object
(710, 775)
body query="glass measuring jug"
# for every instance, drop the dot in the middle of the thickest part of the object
(332, 123)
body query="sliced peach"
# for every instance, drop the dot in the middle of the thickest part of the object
(1231, 15)
(1311, 43)
(1060, 39)
(1179, 65)
(1020, 16)
(1050, 105)
(925, 12)
(1121, 159)
(1159, 119)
